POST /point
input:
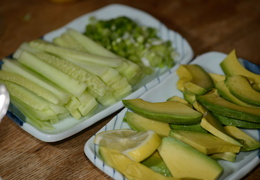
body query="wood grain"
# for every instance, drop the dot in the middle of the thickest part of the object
(206, 24)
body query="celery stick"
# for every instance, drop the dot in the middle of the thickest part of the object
(85, 97)
(107, 74)
(90, 45)
(73, 103)
(77, 55)
(61, 79)
(30, 117)
(28, 110)
(121, 88)
(30, 85)
(105, 100)
(96, 69)
(38, 106)
(41, 125)
(87, 103)
(72, 107)
(121, 93)
(64, 115)
(75, 113)
(66, 41)
(71, 69)
(26, 96)
(111, 76)
(86, 109)
(74, 70)
(15, 67)
(131, 70)
(58, 109)
(120, 83)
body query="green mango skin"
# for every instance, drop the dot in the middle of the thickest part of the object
(240, 87)
(184, 161)
(168, 111)
(231, 66)
(193, 127)
(156, 163)
(213, 102)
(236, 122)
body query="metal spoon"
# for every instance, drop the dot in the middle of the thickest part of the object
(4, 101)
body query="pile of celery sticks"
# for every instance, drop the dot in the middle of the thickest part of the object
(76, 73)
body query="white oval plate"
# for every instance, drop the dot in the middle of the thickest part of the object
(70, 126)
(245, 161)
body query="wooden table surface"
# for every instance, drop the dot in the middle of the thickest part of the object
(207, 25)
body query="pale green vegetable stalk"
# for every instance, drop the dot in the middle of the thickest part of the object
(30, 85)
(88, 44)
(14, 66)
(72, 107)
(105, 100)
(30, 117)
(26, 94)
(80, 42)
(76, 72)
(27, 97)
(54, 75)
(105, 73)
(87, 103)
(66, 41)
(77, 55)
(117, 84)
(30, 104)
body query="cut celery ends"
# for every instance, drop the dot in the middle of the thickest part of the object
(71, 69)
(20, 80)
(80, 42)
(67, 53)
(54, 75)
(14, 66)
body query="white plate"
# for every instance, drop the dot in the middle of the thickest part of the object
(245, 161)
(71, 126)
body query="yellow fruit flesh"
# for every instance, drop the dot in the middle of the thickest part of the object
(135, 145)
(249, 143)
(204, 142)
(231, 66)
(130, 169)
(184, 161)
(213, 126)
(141, 123)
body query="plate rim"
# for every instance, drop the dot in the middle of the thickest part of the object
(53, 137)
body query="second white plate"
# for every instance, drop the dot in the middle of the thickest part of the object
(245, 161)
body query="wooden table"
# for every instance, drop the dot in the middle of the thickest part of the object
(207, 25)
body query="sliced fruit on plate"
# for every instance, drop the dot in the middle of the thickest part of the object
(184, 161)
(140, 123)
(130, 169)
(168, 111)
(232, 66)
(241, 88)
(194, 79)
(204, 142)
(249, 143)
(135, 145)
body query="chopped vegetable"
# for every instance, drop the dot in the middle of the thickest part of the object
(140, 44)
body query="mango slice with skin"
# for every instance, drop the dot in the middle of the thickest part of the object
(183, 160)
